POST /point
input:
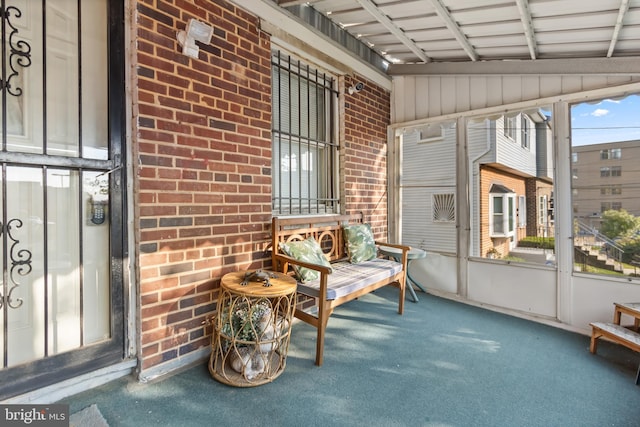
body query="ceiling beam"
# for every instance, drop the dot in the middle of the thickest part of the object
(395, 30)
(444, 13)
(624, 6)
(627, 66)
(527, 23)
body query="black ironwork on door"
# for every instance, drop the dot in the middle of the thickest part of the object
(61, 175)
(17, 262)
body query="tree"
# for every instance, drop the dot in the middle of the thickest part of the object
(618, 223)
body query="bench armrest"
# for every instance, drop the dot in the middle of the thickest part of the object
(404, 248)
(285, 260)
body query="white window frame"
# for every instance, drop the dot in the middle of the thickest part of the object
(507, 217)
(525, 132)
(511, 127)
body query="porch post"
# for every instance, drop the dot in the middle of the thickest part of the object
(463, 207)
(563, 209)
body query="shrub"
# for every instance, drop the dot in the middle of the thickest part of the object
(537, 242)
(631, 247)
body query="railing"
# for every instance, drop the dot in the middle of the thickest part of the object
(609, 246)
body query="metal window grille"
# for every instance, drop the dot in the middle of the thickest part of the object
(304, 164)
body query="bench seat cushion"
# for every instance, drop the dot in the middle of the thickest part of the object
(618, 331)
(347, 277)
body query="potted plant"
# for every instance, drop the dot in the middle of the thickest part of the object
(493, 253)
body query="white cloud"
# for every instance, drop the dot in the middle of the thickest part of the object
(600, 112)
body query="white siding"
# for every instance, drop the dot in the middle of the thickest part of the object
(428, 168)
(510, 152)
(420, 97)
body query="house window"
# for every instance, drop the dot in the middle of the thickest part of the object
(430, 133)
(525, 132)
(574, 157)
(616, 171)
(304, 164)
(542, 209)
(605, 172)
(502, 211)
(510, 126)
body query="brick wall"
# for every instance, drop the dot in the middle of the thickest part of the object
(364, 153)
(203, 189)
(488, 177)
(204, 178)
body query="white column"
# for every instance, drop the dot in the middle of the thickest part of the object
(563, 209)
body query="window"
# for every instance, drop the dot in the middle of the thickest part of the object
(432, 132)
(606, 206)
(605, 172)
(542, 209)
(526, 132)
(510, 126)
(611, 190)
(613, 153)
(304, 139)
(502, 211)
(574, 157)
(616, 171)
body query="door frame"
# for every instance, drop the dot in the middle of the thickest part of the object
(56, 368)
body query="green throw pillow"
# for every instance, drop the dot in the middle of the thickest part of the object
(309, 251)
(360, 243)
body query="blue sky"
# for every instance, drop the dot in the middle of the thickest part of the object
(608, 120)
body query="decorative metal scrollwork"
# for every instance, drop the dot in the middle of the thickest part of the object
(20, 260)
(19, 52)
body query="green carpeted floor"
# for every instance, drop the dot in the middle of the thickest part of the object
(442, 363)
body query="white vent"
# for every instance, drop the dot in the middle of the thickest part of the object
(444, 207)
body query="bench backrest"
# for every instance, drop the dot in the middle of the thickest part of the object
(325, 229)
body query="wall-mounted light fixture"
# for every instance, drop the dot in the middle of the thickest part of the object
(195, 31)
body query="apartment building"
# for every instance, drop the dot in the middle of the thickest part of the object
(605, 176)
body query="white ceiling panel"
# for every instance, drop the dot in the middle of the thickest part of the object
(418, 31)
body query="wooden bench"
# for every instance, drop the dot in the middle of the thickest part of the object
(617, 333)
(342, 282)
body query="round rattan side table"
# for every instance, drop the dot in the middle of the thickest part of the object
(252, 328)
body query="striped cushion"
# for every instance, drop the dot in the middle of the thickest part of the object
(347, 278)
